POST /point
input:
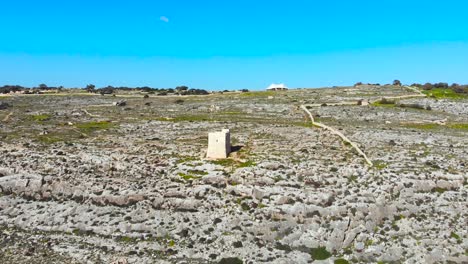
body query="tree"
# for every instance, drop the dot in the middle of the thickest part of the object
(428, 86)
(106, 90)
(43, 86)
(182, 88)
(397, 83)
(90, 88)
(441, 85)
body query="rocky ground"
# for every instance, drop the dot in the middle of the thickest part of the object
(85, 181)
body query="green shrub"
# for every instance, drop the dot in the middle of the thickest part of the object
(188, 177)
(341, 261)
(454, 235)
(320, 253)
(230, 261)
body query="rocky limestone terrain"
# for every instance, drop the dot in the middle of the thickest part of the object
(85, 180)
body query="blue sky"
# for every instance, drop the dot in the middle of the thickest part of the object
(232, 44)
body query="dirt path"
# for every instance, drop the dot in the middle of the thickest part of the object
(416, 90)
(338, 133)
(419, 94)
(7, 117)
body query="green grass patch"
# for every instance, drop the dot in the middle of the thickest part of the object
(126, 239)
(422, 126)
(439, 93)
(46, 139)
(461, 126)
(243, 204)
(455, 235)
(246, 164)
(384, 102)
(382, 105)
(59, 135)
(234, 163)
(183, 159)
(432, 126)
(303, 124)
(188, 177)
(379, 164)
(320, 253)
(398, 217)
(230, 113)
(225, 162)
(94, 126)
(352, 178)
(439, 190)
(41, 117)
(232, 182)
(341, 261)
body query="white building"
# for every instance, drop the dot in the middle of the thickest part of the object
(277, 87)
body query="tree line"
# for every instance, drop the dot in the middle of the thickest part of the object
(458, 88)
(91, 88)
(441, 85)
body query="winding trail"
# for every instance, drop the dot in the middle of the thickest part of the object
(88, 113)
(7, 117)
(343, 137)
(338, 133)
(416, 90)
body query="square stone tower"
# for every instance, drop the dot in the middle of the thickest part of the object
(219, 144)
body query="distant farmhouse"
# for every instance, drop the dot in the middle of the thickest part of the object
(277, 87)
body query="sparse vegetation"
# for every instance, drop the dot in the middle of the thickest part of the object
(320, 253)
(94, 126)
(454, 235)
(49, 139)
(145, 186)
(232, 260)
(341, 261)
(198, 172)
(440, 93)
(461, 126)
(384, 102)
(261, 93)
(188, 177)
(248, 163)
(41, 117)
(428, 126)
(380, 164)
(439, 190)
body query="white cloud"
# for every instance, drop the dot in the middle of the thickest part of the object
(164, 18)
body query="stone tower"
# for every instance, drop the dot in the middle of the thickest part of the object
(219, 144)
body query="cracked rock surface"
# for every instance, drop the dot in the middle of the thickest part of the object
(84, 181)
